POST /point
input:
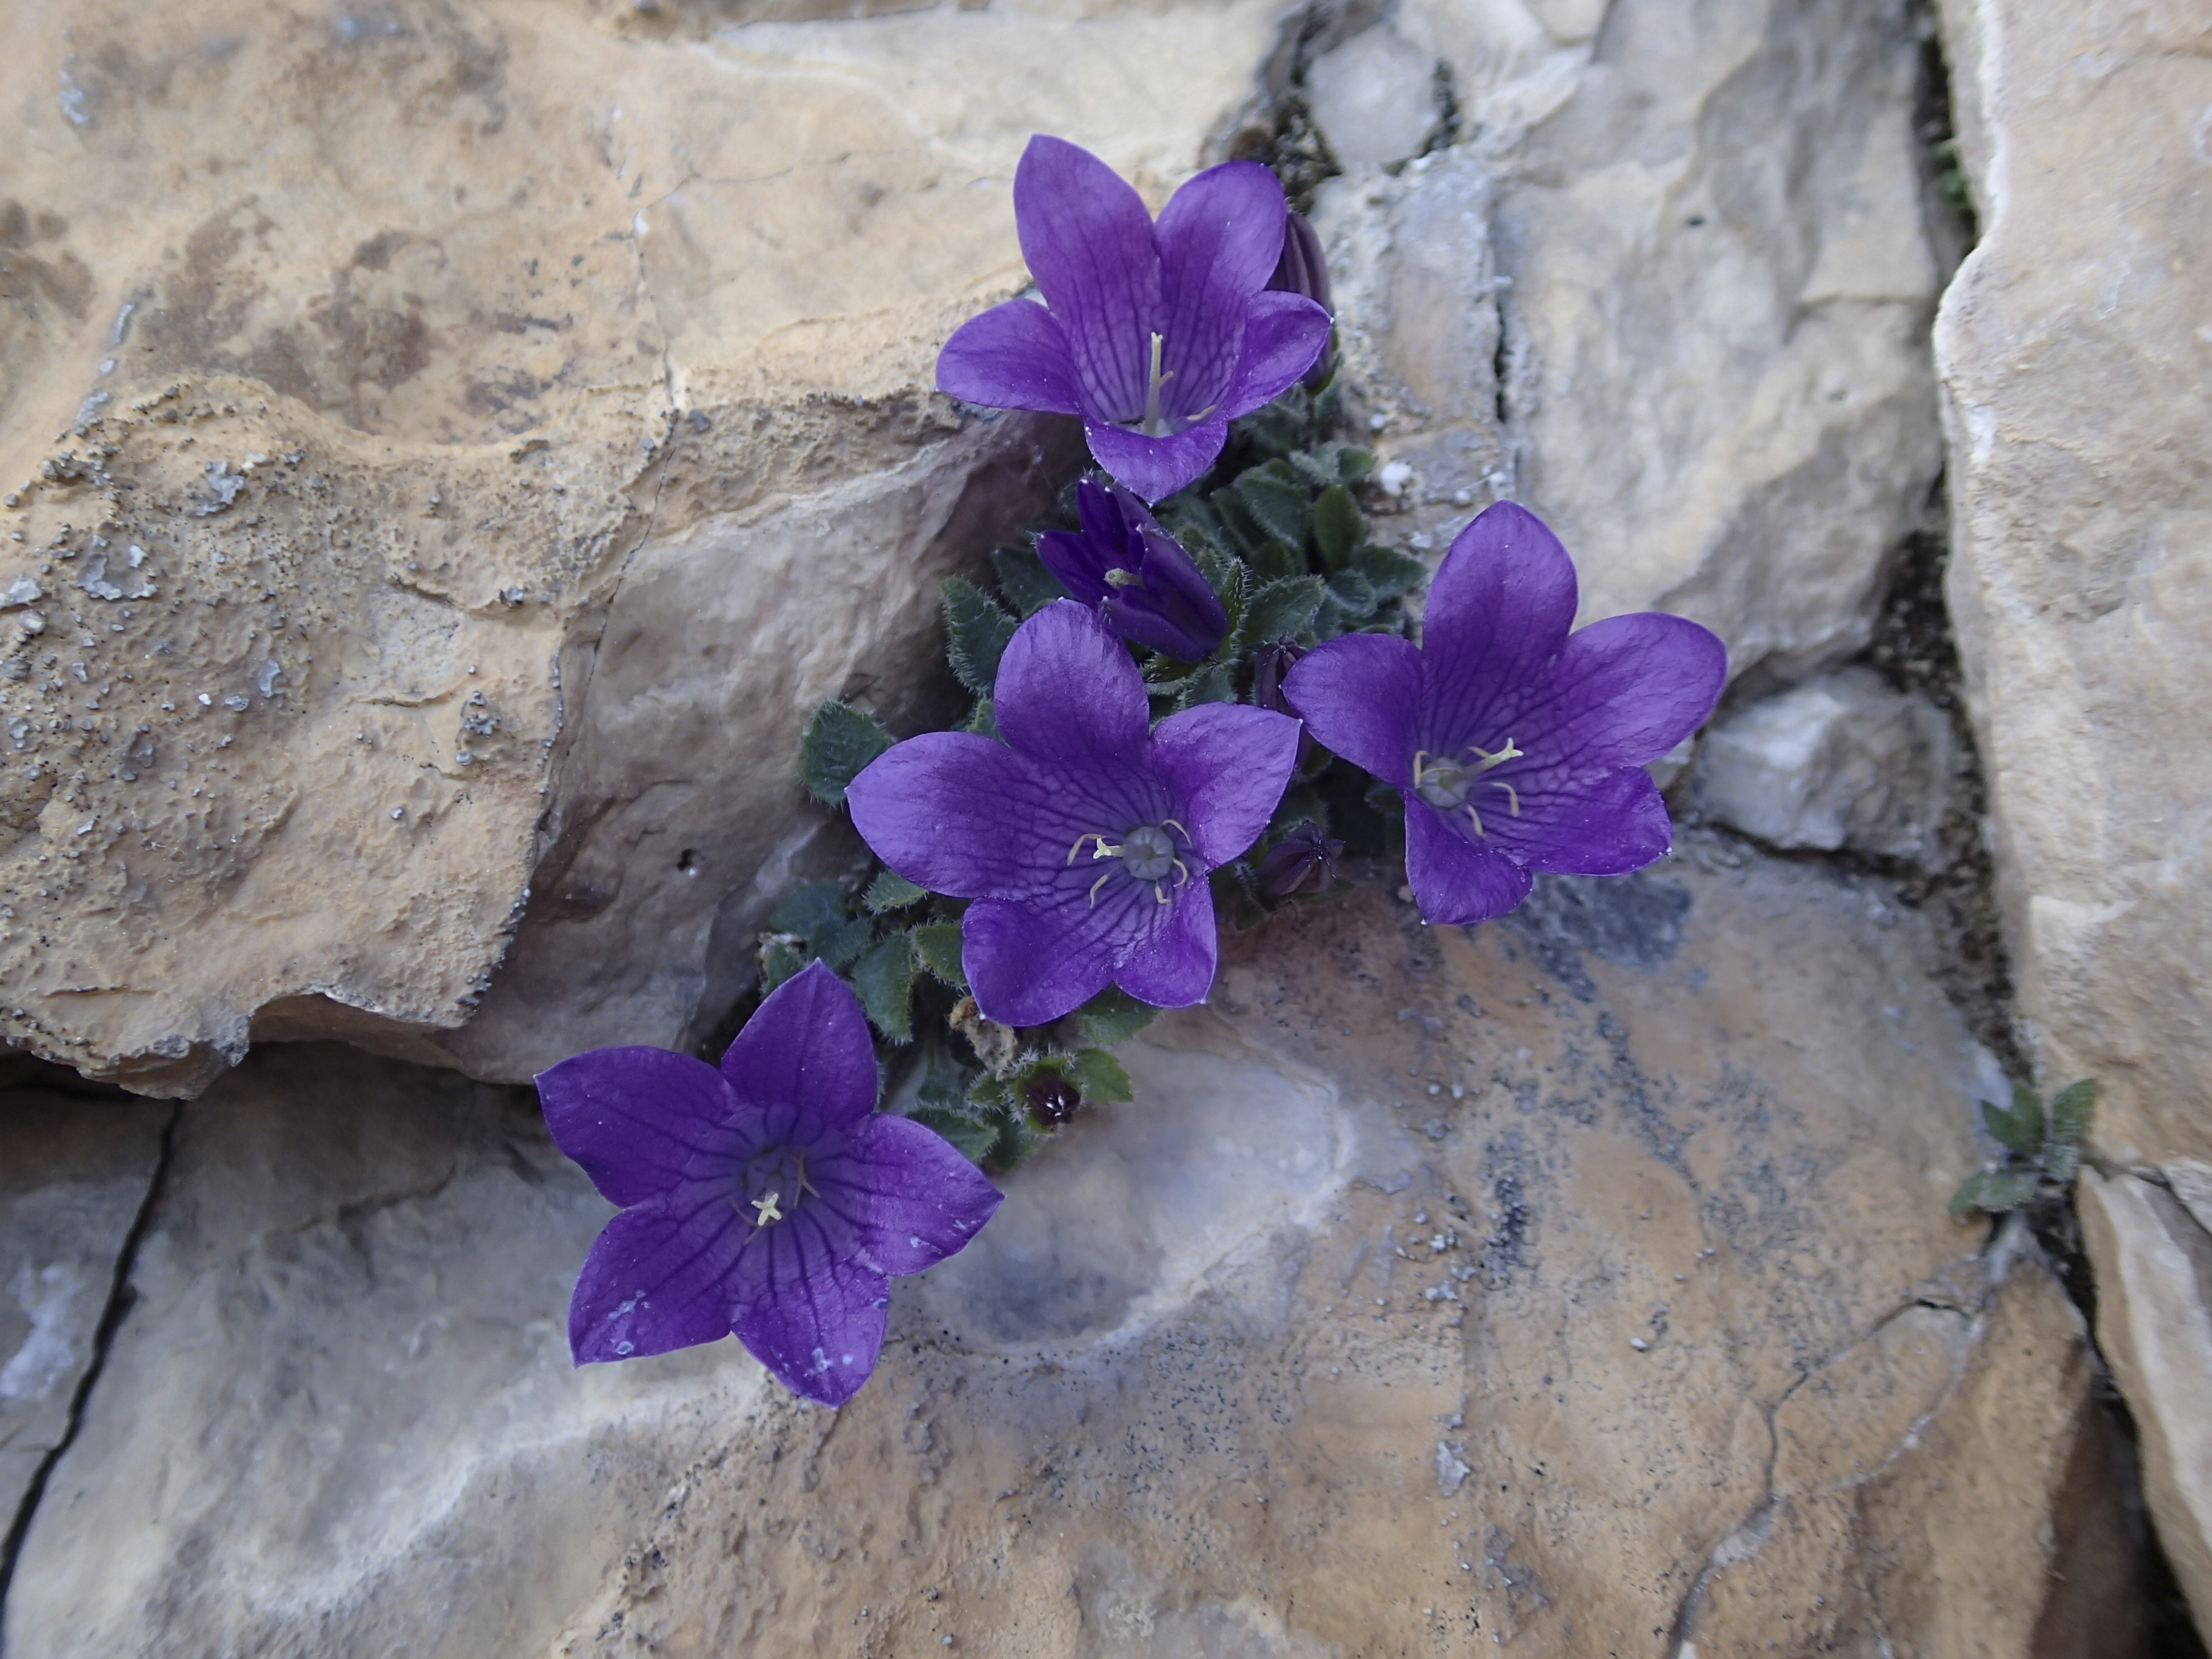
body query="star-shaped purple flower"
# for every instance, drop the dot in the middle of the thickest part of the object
(1084, 838)
(1135, 575)
(768, 1198)
(1517, 745)
(1157, 336)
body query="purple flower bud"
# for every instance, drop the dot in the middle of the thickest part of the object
(1132, 573)
(1303, 861)
(1303, 271)
(1269, 664)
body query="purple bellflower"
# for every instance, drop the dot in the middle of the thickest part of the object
(768, 1198)
(1135, 575)
(1301, 269)
(1084, 838)
(1157, 335)
(1517, 745)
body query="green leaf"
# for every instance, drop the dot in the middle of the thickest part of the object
(976, 630)
(1333, 464)
(1282, 609)
(982, 720)
(840, 741)
(988, 1093)
(1024, 579)
(1274, 497)
(891, 890)
(1337, 525)
(2070, 1111)
(885, 978)
(1018, 1139)
(1112, 1016)
(1993, 1192)
(1098, 1075)
(938, 945)
(2019, 1129)
(815, 912)
(782, 955)
(972, 1137)
(1214, 684)
(1243, 533)
(1388, 572)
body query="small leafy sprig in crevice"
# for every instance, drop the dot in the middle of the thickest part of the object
(1277, 530)
(2042, 1148)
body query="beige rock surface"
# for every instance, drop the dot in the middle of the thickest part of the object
(1714, 279)
(74, 1176)
(2074, 350)
(1529, 1285)
(402, 356)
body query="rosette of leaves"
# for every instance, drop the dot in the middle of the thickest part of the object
(2042, 1148)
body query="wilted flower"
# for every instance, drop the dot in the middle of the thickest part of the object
(1135, 574)
(1157, 336)
(1517, 746)
(1301, 269)
(1303, 861)
(768, 1198)
(1084, 838)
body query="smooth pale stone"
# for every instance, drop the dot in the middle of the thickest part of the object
(1603, 1251)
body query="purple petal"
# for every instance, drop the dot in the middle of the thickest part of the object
(1498, 612)
(1067, 687)
(1077, 563)
(1171, 607)
(657, 1278)
(950, 811)
(1623, 691)
(1029, 965)
(1013, 356)
(1172, 966)
(633, 1117)
(810, 1313)
(1088, 240)
(1155, 468)
(1226, 767)
(1359, 695)
(1284, 333)
(912, 1200)
(1456, 883)
(807, 1045)
(1604, 823)
(1219, 237)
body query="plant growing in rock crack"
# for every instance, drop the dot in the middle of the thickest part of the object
(2042, 1148)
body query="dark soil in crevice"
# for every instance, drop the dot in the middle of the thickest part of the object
(120, 1299)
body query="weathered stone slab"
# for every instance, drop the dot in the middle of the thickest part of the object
(1584, 1284)
(74, 1175)
(411, 369)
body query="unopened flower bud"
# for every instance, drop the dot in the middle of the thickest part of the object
(1301, 269)
(1269, 664)
(1303, 861)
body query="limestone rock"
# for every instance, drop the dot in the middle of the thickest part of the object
(1840, 761)
(1715, 280)
(1438, 1286)
(73, 1177)
(487, 428)
(2073, 351)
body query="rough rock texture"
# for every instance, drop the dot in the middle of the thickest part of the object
(1715, 281)
(2154, 1260)
(487, 427)
(2075, 352)
(74, 1176)
(1839, 761)
(1439, 1289)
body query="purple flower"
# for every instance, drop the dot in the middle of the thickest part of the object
(1157, 336)
(1084, 838)
(768, 1198)
(1135, 575)
(1516, 746)
(1303, 861)
(1301, 269)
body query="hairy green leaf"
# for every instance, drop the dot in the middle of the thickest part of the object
(1282, 609)
(782, 955)
(1388, 572)
(976, 630)
(1024, 579)
(840, 741)
(885, 978)
(2070, 1111)
(891, 890)
(2018, 1129)
(1098, 1075)
(1337, 526)
(1276, 498)
(819, 914)
(982, 720)
(1112, 1016)
(971, 1136)
(938, 945)
(1993, 1191)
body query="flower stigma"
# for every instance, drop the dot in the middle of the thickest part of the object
(1153, 426)
(1445, 782)
(772, 1175)
(1147, 854)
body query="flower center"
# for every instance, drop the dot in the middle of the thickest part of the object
(771, 1185)
(1445, 781)
(1147, 853)
(1157, 424)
